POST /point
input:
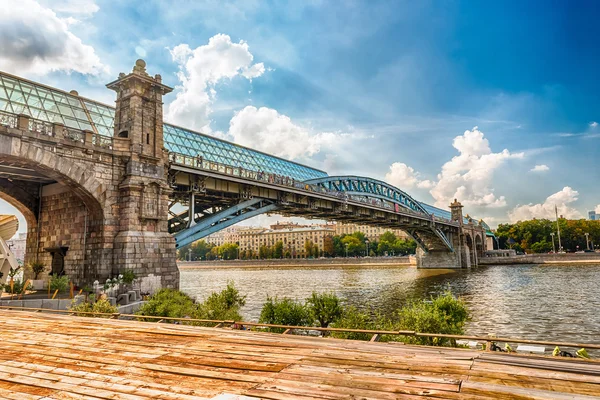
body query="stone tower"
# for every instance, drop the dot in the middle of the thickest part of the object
(456, 210)
(142, 242)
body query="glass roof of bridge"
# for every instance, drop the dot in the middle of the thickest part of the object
(438, 212)
(20, 96)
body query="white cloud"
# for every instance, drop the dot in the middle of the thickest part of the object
(81, 8)
(33, 39)
(404, 177)
(468, 176)
(540, 168)
(266, 130)
(593, 124)
(561, 200)
(200, 69)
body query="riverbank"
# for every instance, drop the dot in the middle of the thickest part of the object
(562, 259)
(299, 262)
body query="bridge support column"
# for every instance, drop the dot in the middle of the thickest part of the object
(444, 259)
(143, 243)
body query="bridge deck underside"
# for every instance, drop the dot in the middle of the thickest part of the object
(214, 196)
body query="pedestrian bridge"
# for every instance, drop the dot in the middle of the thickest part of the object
(108, 188)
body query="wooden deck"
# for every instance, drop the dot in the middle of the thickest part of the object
(45, 356)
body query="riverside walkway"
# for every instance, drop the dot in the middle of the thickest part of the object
(47, 356)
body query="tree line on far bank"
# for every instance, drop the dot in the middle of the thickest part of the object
(351, 245)
(534, 236)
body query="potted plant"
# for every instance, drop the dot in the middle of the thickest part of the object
(37, 268)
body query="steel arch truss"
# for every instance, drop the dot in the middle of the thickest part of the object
(432, 239)
(197, 228)
(370, 188)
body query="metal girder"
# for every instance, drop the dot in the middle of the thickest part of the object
(415, 236)
(223, 219)
(368, 187)
(438, 232)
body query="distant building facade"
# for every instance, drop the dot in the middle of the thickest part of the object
(370, 232)
(17, 246)
(293, 238)
(227, 235)
(593, 216)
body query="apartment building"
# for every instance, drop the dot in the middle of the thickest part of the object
(371, 232)
(293, 238)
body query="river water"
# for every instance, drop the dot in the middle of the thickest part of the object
(559, 303)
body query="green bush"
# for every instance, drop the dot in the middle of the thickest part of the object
(60, 283)
(17, 286)
(168, 303)
(285, 312)
(101, 306)
(324, 307)
(443, 314)
(37, 267)
(128, 276)
(351, 318)
(224, 305)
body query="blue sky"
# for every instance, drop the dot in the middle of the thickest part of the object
(392, 90)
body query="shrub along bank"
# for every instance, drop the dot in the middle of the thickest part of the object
(443, 314)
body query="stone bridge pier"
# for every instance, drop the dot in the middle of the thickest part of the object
(94, 205)
(468, 244)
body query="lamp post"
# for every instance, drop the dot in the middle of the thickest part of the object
(346, 245)
(587, 240)
(367, 242)
(553, 248)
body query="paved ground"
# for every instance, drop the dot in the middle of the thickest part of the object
(44, 356)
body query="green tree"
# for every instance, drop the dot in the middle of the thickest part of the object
(224, 305)
(228, 251)
(328, 246)
(284, 312)
(338, 247)
(388, 237)
(355, 246)
(308, 248)
(443, 314)
(278, 250)
(168, 303)
(264, 252)
(353, 319)
(324, 307)
(404, 247)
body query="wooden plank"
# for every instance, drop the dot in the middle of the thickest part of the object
(51, 356)
(516, 392)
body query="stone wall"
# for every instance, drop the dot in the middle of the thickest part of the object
(299, 262)
(63, 223)
(90, 178)
(563, 258)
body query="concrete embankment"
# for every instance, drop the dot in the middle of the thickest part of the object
(566, 258)
(294, 263)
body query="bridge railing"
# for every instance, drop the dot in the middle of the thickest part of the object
(8, 120)
(56, 130)
(201, 163)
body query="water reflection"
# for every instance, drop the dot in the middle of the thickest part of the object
(541, 302)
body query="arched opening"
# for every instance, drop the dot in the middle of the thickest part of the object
(123, 134)
(479, 248)
(470, 249)
(23, 203)
(64, 218)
